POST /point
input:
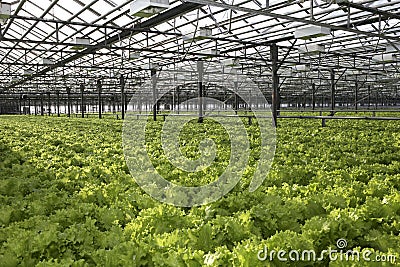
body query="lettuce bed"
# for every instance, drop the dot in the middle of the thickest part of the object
(67, 198)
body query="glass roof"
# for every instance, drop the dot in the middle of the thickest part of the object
(40, 37)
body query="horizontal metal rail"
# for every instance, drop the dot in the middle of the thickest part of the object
(341, 118)
(251, 117)
(340, 110)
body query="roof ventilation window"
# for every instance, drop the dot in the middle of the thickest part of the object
(148, 8)
(311, 49)
(201, 34)
(27, 72)
(80, 43)
(47, 61)
(230, 62)
(301, 68)
(134, 55)
(384, 58)
(309, 32)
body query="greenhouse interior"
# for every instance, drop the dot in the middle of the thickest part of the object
(199, 133)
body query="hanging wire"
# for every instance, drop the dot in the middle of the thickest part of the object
(192, 41)
(214, 19)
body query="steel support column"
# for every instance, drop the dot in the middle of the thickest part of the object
(313, 96)
(49, 103)
(236, 98)
(58, 103)
(356, 97)
(29, 105)
(275, 84)
(153, 73)
(68, 102)
(187, 101)
(200, 71)
(369, 96)
(99, 86)
(41, 104)
(122, 85)
(20, 104)
(333, 93)
(82, 88)
(178, 100)
(114, 109)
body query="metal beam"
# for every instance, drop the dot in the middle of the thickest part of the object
(154, 21)
(375, 11)
(293, 19)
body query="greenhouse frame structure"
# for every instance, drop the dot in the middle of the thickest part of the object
(82, 57)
